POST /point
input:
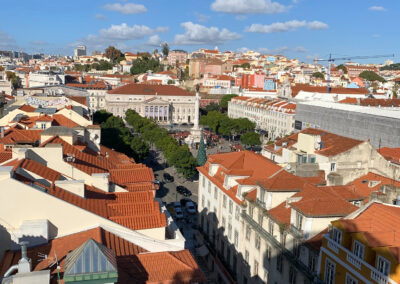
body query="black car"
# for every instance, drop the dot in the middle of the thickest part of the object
(183, 190)
(168, 177)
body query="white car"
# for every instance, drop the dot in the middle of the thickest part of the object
(190, 208)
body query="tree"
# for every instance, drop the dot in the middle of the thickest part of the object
(225, 99)
(112, 53)
(14, 79)
(165, 49)
(250, 139)
(1, 68)
(395, 66)
(318, 75)
(201, 154)
(139, 147)
(342, 67)
(170, 82)
(101, 116)
(142, 65)
(211, 107)
(245, 65)
(371, 76)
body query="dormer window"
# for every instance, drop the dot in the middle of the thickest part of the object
(358, 249)
(383, 265)
(337, 235)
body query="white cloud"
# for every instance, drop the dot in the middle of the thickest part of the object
(196, 34)
(300, 49)
(128, 8)
(376, 8)
(116, 34)
(154, 40)
(201, 17)
(7, 41)
(280, 27)
(248, 7)
(100, 17)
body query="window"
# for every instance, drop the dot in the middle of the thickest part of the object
(248, 232)
(237, 212)
(330, 270)
(260, 219)
(230, 206)
(208, 204)
(292, 275)
(311, 262)
(299, 220)
(246, 256)
(203, 201)
(236, 239)
(257, 241)
(271, 227)
(204, 181)
(279, 264)
(223, 222)
(255, 270)
(209, 187)
(333, 167)
(383, 265)
(337, 235)
(230, 230)
(215, 193)
(251, 209)
(358, 249)
(350, 279)
(268, 252)
(224, 201)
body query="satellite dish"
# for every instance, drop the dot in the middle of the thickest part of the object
(288, 167)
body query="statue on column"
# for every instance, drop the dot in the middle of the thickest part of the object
(195, 132)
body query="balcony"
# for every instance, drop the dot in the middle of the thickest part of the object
(296, 232)
(333, 245)
(354, 260)
(357, 262)
(379, 277)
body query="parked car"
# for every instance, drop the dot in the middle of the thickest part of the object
(168, 177)
(178, 213)
(184, 201)
(183, 190)
(190, 208)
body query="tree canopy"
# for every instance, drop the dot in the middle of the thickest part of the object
(115, 135)
(371, 76)
(220, 123)
(142, 65)
(250, 139)
(165, 49)
(14, 79)
(225, 99)
(342, 67)
(178, 156)
(112, 53)
(318, 75)
(395, 66)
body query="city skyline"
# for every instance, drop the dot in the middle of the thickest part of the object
(296, 28)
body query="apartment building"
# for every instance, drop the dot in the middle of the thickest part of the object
(177, 56)
(264, 223)
(362, 247)
(164, 103)
(342, 159)
(45, 78)
(276, 116)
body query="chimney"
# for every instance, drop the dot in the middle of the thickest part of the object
(24, 264)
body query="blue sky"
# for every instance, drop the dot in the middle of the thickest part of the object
(297, 28)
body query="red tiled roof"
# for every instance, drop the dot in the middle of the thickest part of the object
(321, 89)
(376, 223)
(40, 170)
(5, 156)
(390, 154)
(15, 136)
(145, 89)
(332, 144)
(80, 100)
(27, 108)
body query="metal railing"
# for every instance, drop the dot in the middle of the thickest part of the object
(297, 232)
